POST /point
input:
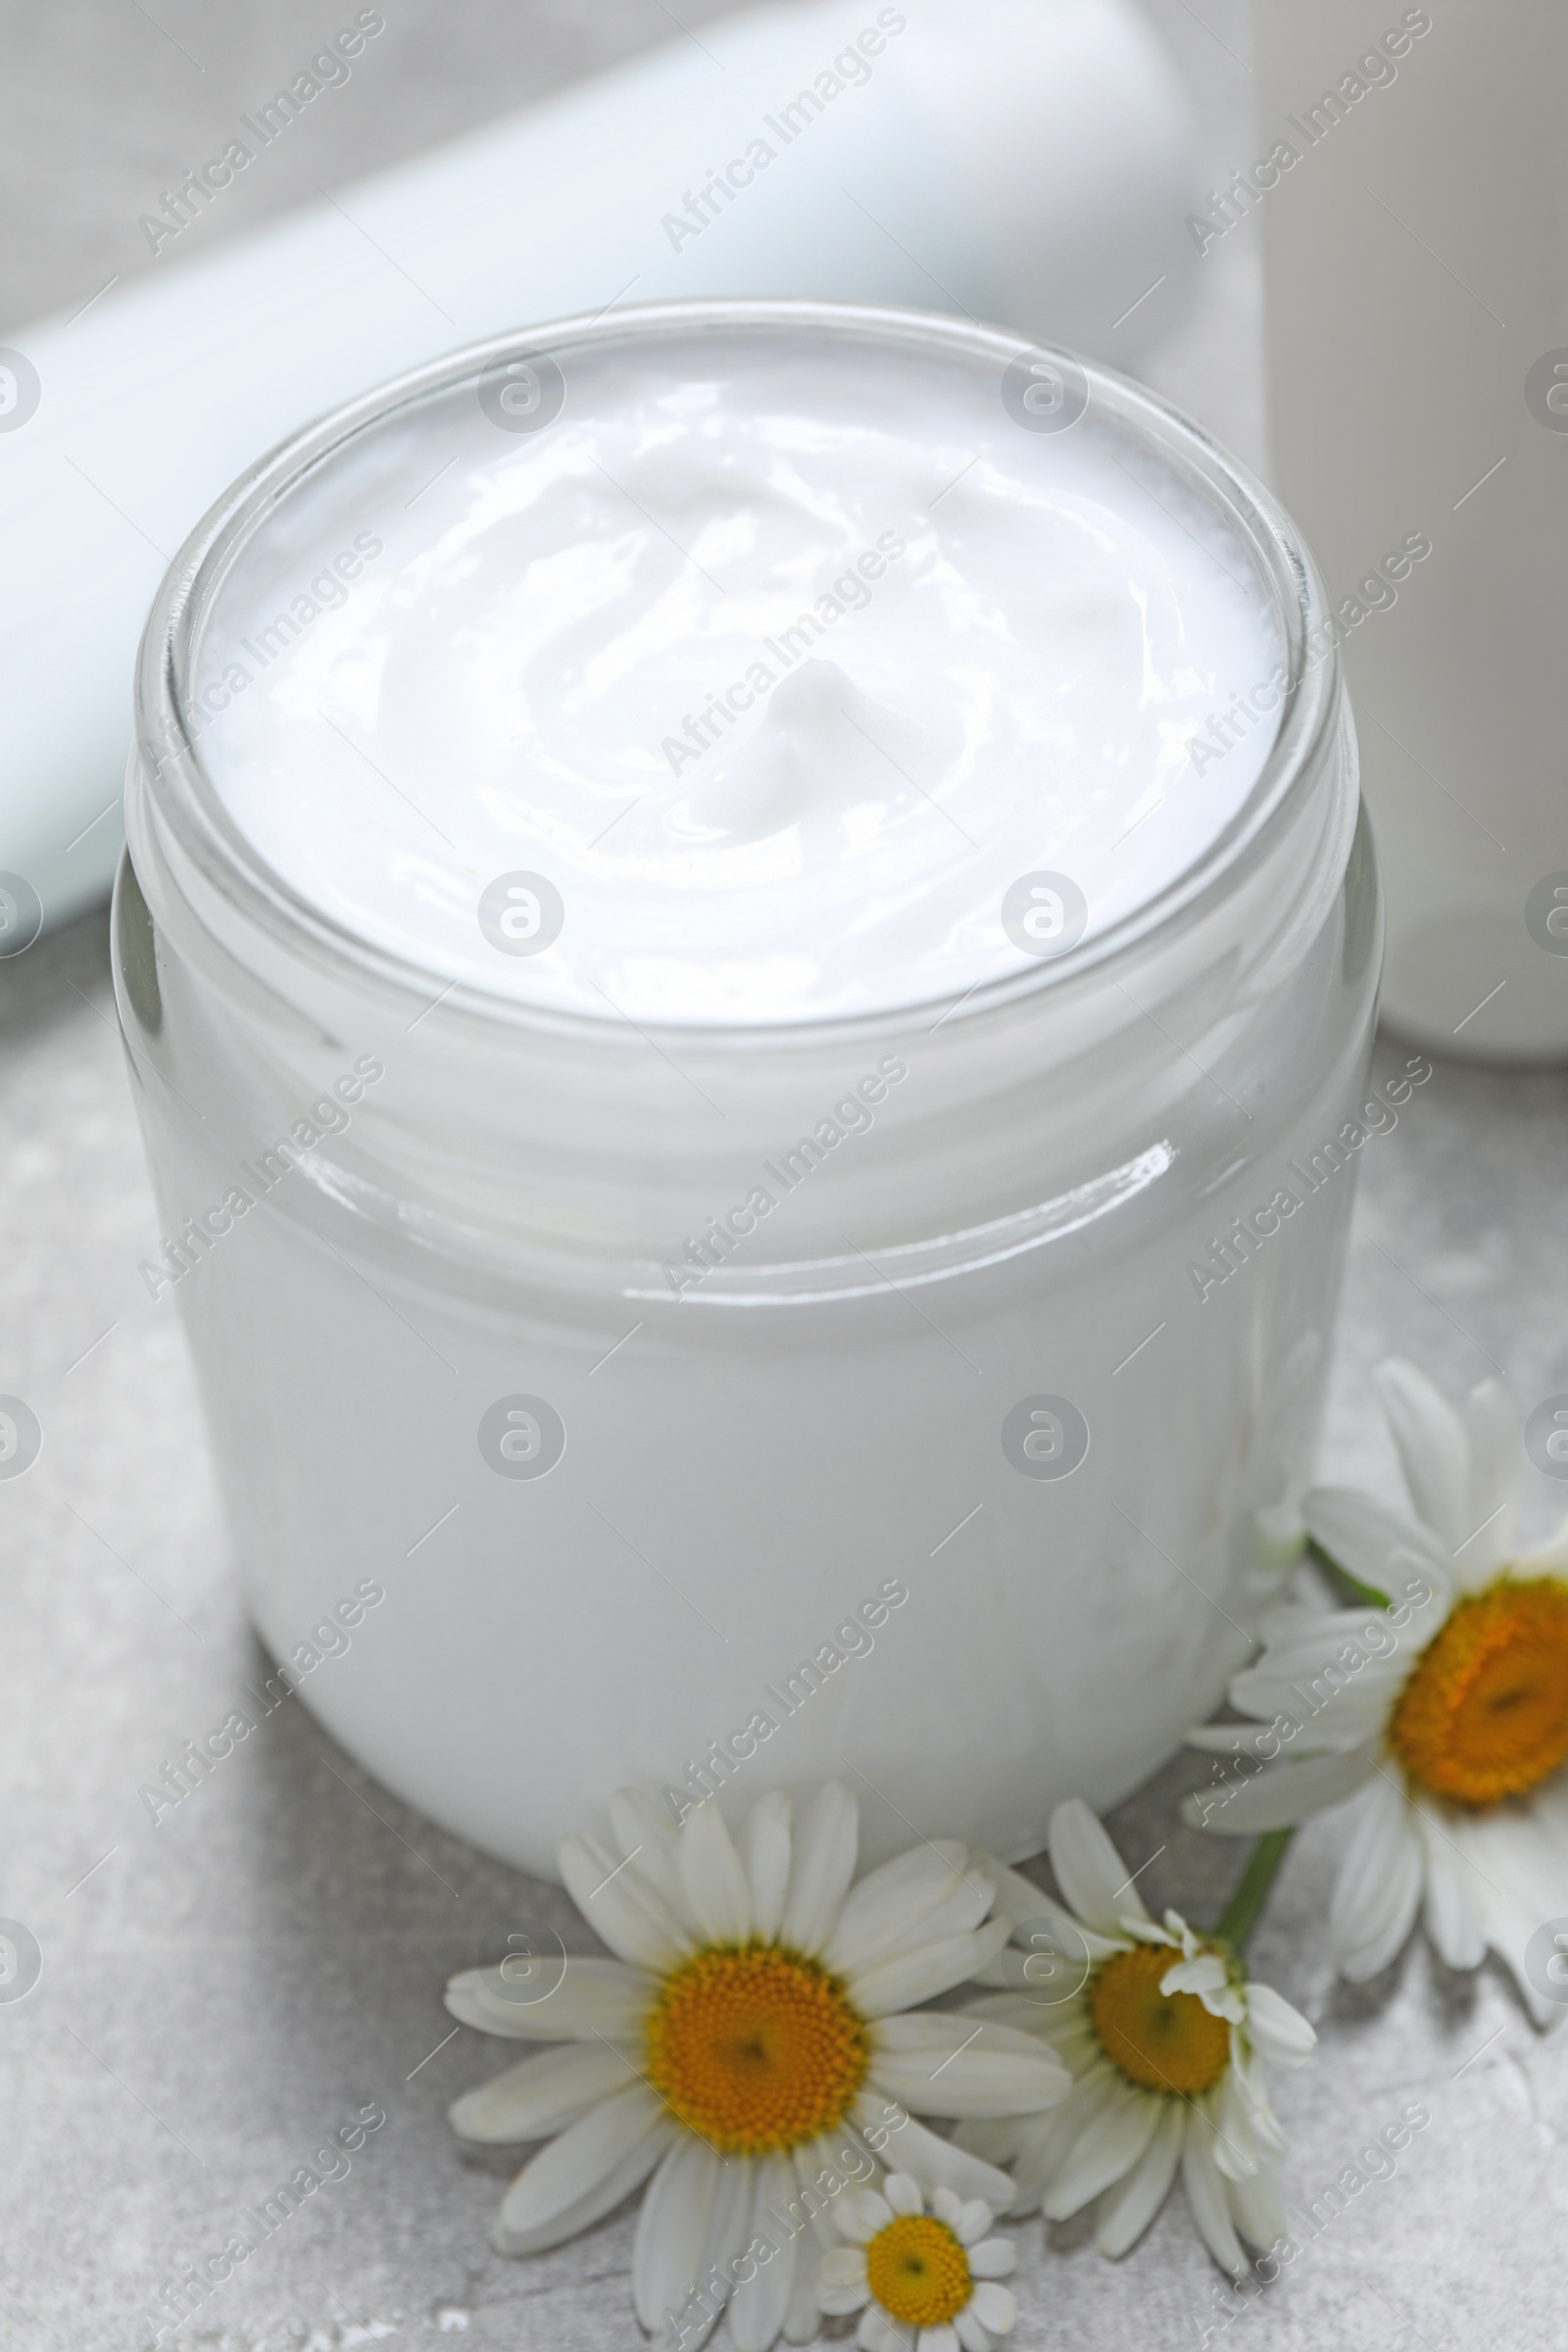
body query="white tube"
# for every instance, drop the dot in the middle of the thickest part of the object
(1417, 253)
(1028, 160)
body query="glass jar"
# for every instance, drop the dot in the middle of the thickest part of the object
(553, 1462)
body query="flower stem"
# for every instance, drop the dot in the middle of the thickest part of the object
(1242, 1909)
(1353, 1586)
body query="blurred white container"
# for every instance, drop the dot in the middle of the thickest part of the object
(1027, 161)
(1418, 255)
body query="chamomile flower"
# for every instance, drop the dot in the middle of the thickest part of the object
(1166, 2037)
(1440, 1722)
(749, 2053)
(921, 2281)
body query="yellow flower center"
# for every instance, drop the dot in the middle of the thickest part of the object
(1484, 1714)
(755, 2048)
(918, 2272)
(1162, 2040)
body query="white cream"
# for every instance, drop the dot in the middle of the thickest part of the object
(781, 666)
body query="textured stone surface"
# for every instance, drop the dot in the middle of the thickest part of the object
(220, 1991)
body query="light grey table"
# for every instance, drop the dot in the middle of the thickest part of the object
(221, 1990)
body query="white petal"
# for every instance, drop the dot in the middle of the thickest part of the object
(927, 1969)
(1433, 1448)
(974, 2219)
(579, 2178)
(758, 2307)
(1280, 2032)
(961, 1909)
(1299, 1637)
(822, 1866)
(1105, 2150)
(995, 2307)
(902, 2193)
(725, 2235)
(1050, 2139)
(1379, 1884)
(813, 2212)
(844, 2266)
(1259, 1739)
(1207, 2195)
(890, 1905)
(1520, 1856)
(764, 1849)
(671, 2231)
(1128, 2210)
(1014, 1893)
(970, 2332)
(1048, 1928)
(997, 2139)
(1175, 1931)
(1204, 1974)
(1257, 2208)
(1378, 1547)
(994, 2258)
(1312, 1674)
(1551, 1558)
(1497, 1458)
(801, 2319)
(1235, 2150)
(719, 1892)
(1089, 1872)
(871, 2335)
(862, 2213)
(1334, 1715)
(932, 2162)
(1059, 2024)
(593, 1997)
(1051, 1955)
(948, 2208)
(1246, 2092)
(646, 1834)
(727, 2223)
(1278, 1626)
(1285, 1795)
(624, 1909)
(1311, 1688)
(938, 2340)
(839, 2301)
(541, 2095)
(1070, 2033)
(963, 2065)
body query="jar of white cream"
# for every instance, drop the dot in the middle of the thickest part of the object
(750, 963)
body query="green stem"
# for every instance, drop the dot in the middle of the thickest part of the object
(1368, 1594)
(1242, 1911)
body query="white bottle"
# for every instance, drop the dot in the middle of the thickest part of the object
(1417, 308)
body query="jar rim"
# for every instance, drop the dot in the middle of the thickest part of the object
(183, 797)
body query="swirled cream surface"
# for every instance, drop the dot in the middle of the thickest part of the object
(737, 678)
